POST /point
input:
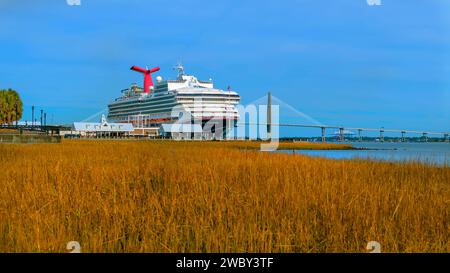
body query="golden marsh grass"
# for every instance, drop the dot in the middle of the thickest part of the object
(134, 196)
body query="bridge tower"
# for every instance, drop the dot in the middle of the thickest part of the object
(341, 134)
(359, 135)
(403, 136)
(445, 137)
(425, 136)
(323, 134)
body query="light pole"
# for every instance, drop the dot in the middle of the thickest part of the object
(42, 116)
(17, 114)
(32, 116)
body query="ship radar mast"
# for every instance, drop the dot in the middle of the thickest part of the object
(180, 69)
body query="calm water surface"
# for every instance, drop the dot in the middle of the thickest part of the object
(431, 153)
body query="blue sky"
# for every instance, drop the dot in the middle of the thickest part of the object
(341, 62)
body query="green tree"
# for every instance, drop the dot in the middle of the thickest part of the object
(8, 100)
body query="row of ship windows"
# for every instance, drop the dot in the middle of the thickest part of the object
(185, 103)
(136, 112)
(172, 105)
(208, 100)
(216, 110)
(187, 95)
(192, 110)
(155, 99)
(116, 107)
(180, 100)
(195, 110)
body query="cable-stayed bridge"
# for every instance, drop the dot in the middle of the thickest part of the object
(341, 129)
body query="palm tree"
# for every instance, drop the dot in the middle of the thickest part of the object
(9, 112)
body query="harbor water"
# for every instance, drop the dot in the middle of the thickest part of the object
(432, 153)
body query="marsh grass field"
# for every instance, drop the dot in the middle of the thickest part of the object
(154, 196)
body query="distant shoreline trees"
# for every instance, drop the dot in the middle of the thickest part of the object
(8, 100)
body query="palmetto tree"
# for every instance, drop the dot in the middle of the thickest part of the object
(8, 100)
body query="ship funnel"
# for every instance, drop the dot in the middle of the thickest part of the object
(148, 82)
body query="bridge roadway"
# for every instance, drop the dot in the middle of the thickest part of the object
(342, 129)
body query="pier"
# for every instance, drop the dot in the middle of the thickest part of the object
(32, 134)
(44, 129)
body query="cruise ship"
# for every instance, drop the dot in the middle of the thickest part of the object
(184, 100)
